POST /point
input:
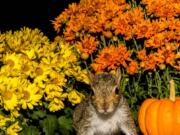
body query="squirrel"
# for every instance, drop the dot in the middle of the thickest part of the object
(106, 112)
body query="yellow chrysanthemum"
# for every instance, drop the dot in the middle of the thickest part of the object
(3, 121)
(12, 82)
(82, 76)
(68, 53)
(13, 129)
(9, 91)
(57, 78)
(42, 51)
(73, 70)
(15, 114)
(52, 91)
(75, 97)
(40, 74)
(9, 99)
(67, 56)
(12, 60)
(51, 59)
(31, 96)
(78, 73)
(30, 53)
(57, 103)
(11, 65)
(27, 68)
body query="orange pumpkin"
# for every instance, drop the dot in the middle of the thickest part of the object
(160, 116)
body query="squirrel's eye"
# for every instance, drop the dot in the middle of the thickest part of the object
(93, 97)
(92, 92)
(116, 91)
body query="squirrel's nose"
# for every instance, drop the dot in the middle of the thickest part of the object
(105, 108)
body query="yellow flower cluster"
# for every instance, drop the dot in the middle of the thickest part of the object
(34, 70)
(13, 129)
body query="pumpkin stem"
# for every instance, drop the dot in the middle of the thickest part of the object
(172, 90)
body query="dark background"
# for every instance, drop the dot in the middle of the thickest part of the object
(15, 14)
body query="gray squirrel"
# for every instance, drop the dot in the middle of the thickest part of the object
(107, 111)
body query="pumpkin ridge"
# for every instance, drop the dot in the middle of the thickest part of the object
(165, 117)
(142, 115)
(151, 118)
(177, 117)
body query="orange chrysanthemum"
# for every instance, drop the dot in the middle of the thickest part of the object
(160, 8)
(125, 22)
(141, 54)
(143, 29)
(160, 39)
(87, 45)
(64, 17)
(164, 56)
(176, 64)
(149, 62)
(132, 67)
(111, 57)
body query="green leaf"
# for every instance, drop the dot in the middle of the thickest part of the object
(49, 124)
(2, 133)
(31, 130)
(45, 105)
(65, 125)
(68, 111)
(38, 114)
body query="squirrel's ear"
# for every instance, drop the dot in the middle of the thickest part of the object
(90, 76)
(118, 75)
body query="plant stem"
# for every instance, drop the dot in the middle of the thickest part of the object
(158, 84)
(135, 43)
(172, 90)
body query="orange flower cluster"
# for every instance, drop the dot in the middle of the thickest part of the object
(164, 44)
(110, 58)
(166, 55)
(125, 23)
(65, 16)
(92, 22)
(97, 17)
(163, 56)
(162, 8)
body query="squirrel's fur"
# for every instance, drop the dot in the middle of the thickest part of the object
(107, 111)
